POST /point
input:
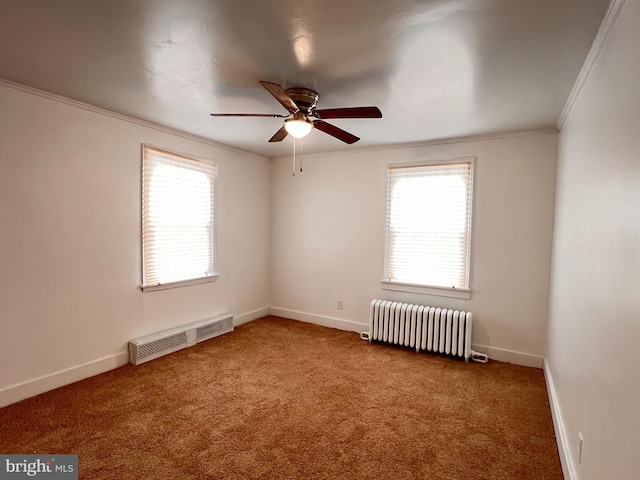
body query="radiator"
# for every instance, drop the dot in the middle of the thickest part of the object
(424, 328)
(162, 343)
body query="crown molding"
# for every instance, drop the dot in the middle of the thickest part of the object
(206, 141)
(596, 47)
(125, 118)
(429, 143)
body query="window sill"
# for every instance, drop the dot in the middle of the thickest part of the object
(426, 290)
(182, 283)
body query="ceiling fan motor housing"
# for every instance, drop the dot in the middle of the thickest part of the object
(304, 98)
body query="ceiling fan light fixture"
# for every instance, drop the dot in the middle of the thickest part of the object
(298, 126)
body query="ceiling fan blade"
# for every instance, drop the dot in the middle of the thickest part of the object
(272, 115)
(353, 112)
(279, 135)
(334, 131)
(281, 95)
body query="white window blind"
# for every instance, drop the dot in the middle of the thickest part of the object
(428, 224)
(178, 230)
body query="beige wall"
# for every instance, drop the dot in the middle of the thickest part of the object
(70, 241)
(328, 238)
(70, 246)
(594, 319)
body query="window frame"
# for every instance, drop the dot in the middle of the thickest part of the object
(190, 281)
(400, 286)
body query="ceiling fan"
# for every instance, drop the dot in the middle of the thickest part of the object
(303, 115)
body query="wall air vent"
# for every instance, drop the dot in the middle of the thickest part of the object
(162, 343)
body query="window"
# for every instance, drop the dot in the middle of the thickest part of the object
(178, 227)
(428, 228)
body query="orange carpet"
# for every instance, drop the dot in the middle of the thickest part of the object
(280, 399)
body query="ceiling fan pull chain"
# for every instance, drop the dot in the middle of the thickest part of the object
(293, 167)
(300, 155)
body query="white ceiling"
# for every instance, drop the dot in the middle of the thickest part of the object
(436, 69)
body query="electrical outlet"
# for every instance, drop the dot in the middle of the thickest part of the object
(580, 448)
(340, 304)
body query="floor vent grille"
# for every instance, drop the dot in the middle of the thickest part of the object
(162, 343)
(167, 344)
(212, 330)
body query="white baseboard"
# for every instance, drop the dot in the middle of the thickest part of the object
(499, 354)
(15, 393)
(566, 460)
(510, 356)
(331, 322)
(250, 316)
(30, 388)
